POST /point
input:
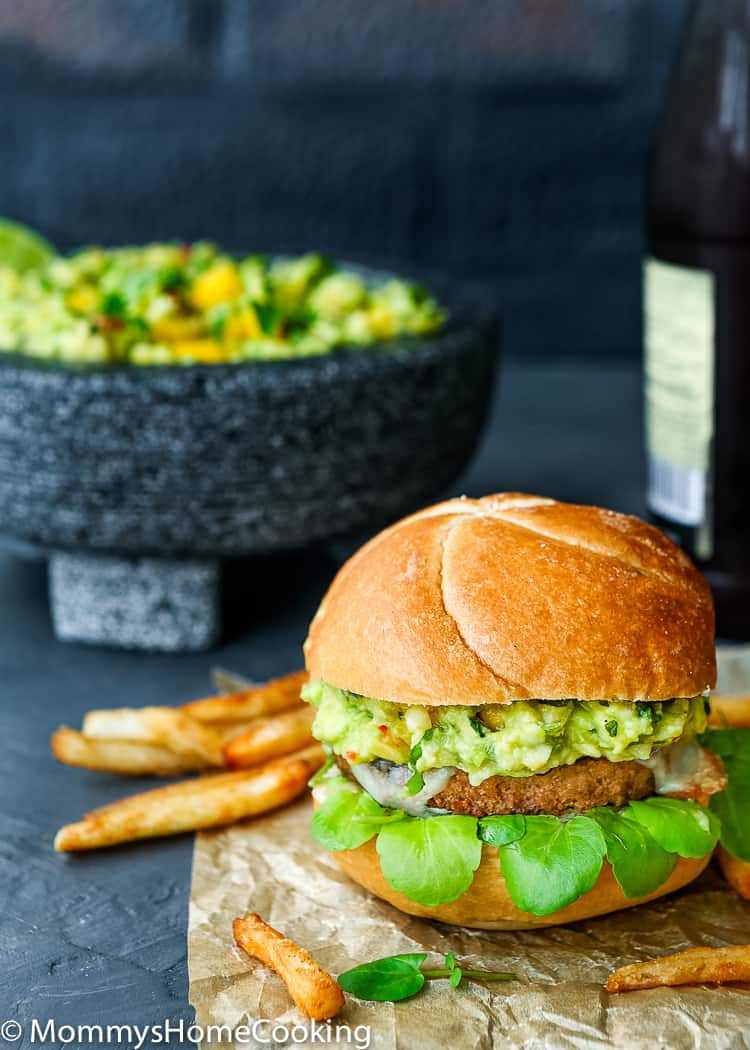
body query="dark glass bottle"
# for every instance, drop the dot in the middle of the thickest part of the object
(697, 305)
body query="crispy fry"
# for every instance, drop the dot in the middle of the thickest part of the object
(168, 727)
(129, 757)
(731, 712)
(314, 991)
(277, 695)
(268, 737)
(735, 871)
(204, 802)
(694, 966)
(229, 730)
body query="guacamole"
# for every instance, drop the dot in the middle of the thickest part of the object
(185, 304)
(516, 739)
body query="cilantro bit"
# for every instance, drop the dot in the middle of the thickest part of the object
(414, 784)
(173, 278)
(478, 726)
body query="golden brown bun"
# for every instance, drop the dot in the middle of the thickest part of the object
(487, 905)
(514, 597)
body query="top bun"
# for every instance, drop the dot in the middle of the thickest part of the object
(515, 597)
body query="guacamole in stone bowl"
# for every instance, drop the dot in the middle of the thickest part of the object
(318, 402)
(185, 304)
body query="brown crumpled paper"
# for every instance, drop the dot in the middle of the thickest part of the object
(273, 866)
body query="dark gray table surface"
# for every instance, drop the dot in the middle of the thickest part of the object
(101, 938)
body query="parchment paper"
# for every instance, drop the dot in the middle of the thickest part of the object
(274, 867)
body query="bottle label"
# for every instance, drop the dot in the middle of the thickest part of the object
(679, 338)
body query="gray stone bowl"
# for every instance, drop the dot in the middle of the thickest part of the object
(186, 465)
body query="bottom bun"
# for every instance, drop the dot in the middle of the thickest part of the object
(486, 905)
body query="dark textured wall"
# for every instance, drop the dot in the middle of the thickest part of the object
(500, 141)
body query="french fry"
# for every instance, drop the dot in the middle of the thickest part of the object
(204, 802)
(279, 694)
(735, 871)
(314, 991)
(730, 712)
(168, 727)
(129, 757)
(269, 737)
(693, 966)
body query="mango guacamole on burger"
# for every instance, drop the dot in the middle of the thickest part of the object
(518, 739)
(188, 304)
(514, 695)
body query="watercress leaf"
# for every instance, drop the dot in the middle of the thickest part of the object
(732, 805)
(553, 863)
(500, 830)
(639, 863)
(455, 977)
(334, 824)
(678, 825)
(385, 980)
(430, 860)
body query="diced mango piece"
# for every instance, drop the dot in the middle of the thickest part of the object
(382, 322)
(177, 327)
(219, 284)
(242, 326)
(82, 299)
(207, 351)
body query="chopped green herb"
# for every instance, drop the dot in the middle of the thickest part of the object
(478, 726)
(113, 305)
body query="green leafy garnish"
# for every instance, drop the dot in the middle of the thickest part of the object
(386, 980)
(500, 830)
(554, 863)
(677, 825)
(639, 864)
(335, 824)
(547, 861)
(400, 976)
(430, 860)
(732, 806)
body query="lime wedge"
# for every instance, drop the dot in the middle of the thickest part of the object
(22, 249)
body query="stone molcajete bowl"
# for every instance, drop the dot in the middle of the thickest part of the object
(138, 482)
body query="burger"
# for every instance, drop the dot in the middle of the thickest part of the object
(511, 691)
